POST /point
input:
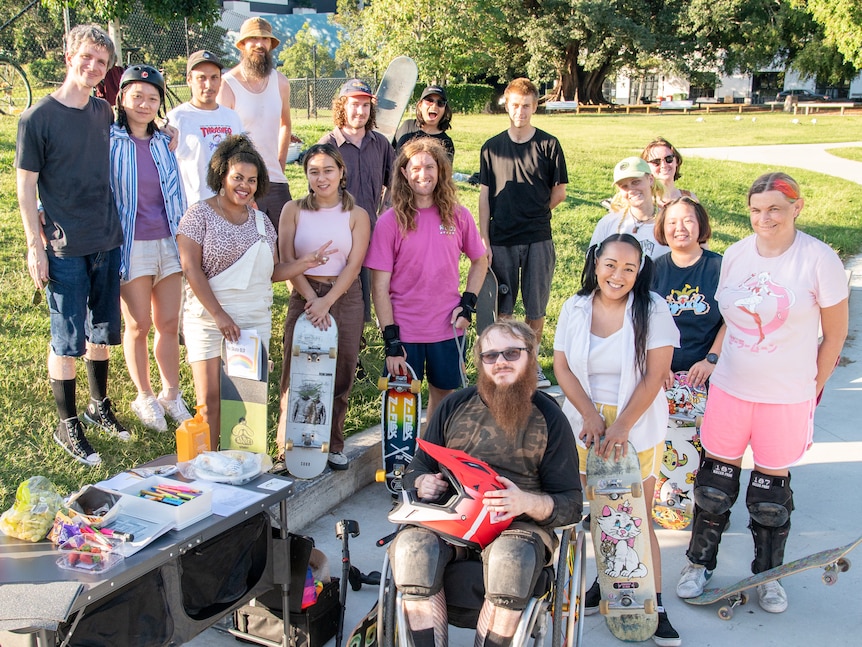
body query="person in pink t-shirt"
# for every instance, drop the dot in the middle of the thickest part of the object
(776, 287)
(413, 257)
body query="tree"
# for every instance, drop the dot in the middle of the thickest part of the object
(842, 24)
(306, 54)
(204, 12)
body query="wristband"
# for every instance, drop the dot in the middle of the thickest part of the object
(468, 305)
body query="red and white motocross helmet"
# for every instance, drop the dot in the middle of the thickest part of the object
(461, 518)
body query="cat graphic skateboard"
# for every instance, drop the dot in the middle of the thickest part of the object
(486, 303)
(308, 417)
(673, 507)
(400, 425)
(394, 94)
(244, 394)
(622, 545)
(832, 562)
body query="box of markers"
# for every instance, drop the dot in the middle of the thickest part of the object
(162, 499)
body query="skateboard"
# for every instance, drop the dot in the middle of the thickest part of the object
(308, 419)
(486, 304)
(399, 420)
(365, 633)
(622, 545)
(244, 394)
(394, 94)
(673, 506)
(832, 562)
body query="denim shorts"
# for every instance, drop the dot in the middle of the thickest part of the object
(156, 258)
(441, 361)
(530, 267)
(83, 296)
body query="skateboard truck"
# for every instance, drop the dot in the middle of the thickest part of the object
(308, 442)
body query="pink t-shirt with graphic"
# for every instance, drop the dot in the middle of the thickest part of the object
(772, 310)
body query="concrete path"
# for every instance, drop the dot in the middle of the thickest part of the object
(814, 157)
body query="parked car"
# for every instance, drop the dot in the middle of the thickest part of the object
(802, 95)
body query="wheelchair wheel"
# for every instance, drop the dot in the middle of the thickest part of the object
(386, 604)
(568, 609)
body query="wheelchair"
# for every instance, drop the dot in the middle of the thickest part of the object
(558, 599)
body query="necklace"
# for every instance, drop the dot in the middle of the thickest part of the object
(255, 89)
(640, 223)
(226, 216)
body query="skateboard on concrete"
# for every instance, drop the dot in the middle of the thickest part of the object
(832, 562)
(486, 303)
(673, 506)
(400, 425)
(622, 545)
(244, 399)
(308, 419)
(394, 94)
(365, 633)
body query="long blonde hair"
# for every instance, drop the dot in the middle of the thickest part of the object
(445, 194)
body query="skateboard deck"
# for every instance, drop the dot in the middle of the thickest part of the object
(308, 419)
(622, 545)
(486, 304)
(400, 425)
(832, 562)
(673, 506)
(244, 399)
(365, 633)
(394, 94)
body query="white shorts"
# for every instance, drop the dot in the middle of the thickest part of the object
(156, 258)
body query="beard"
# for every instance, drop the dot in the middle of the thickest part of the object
(509, 404)
(257, 65)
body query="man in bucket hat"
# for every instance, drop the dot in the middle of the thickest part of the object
(260, 94)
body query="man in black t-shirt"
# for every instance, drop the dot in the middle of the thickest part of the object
(522, 177)
(73, 241)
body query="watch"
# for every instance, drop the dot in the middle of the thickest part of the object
(712, 358)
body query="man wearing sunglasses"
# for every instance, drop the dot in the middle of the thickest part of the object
(522, 177)
(524, 436)
(433, 119)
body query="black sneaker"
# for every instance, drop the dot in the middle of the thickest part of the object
(70, 436)
(592, 599)
(101, 415)
(666, 635)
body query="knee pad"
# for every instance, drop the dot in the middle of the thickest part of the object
(418, 557)
(716, 486)
(512, 564)
(769, 499)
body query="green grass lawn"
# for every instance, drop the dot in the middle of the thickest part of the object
(592, 144)
(851, 153)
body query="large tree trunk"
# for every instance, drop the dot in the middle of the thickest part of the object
(576, 84)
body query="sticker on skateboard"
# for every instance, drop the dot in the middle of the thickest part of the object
(394, 93)
(399, 420)
(308, 417)
(622, 545)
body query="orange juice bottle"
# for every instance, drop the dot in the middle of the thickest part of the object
(193, 437)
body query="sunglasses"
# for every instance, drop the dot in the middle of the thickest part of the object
(510, 355)
(441, 103)
(667, 159)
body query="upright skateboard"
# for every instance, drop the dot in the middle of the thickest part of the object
(244, 402)
(622, 545)
(673, 507)
(394, 93)
(832, 562)
(486, 304)
(400, 424)
(309, 407)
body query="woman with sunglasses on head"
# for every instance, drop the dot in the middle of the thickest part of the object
(612, 353)
(666, 163)
(776, 288)
(634, 207)
(433, 119)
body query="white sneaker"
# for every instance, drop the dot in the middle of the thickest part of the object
(150, 412)
(693, 580)
(338, 461)
(542, 382)
(176, 410)
(772, 597)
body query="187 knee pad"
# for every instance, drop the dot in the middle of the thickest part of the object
(769, 499)
(716, 486)
(418, 558)
(513, 562)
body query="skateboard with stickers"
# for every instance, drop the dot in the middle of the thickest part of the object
(622, 545)
(673, 505)
(394, 94)
(400, 425)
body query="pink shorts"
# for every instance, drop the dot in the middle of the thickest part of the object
(779, 434)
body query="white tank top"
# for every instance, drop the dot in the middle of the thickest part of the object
(261, 118)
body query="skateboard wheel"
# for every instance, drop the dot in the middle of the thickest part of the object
(415, 386)
(333, 352)
(380, 476)
(604, 607)
(324, 447)
(725, 613)
(288, 445)
(295, 350)
(591, 492)
(743, 598)
(830, 577)
(843, 564)
(637, 489)
(649, 607)
(382, 383)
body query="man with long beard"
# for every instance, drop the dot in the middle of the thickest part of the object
(523, 435)
(260, 95)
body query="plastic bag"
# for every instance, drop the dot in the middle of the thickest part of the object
(32, 515)
(230, 466)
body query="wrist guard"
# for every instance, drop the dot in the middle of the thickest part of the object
(468, 305)
(392, 341)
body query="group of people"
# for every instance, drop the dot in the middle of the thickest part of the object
(205, 198)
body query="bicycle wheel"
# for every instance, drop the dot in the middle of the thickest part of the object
(15, 93)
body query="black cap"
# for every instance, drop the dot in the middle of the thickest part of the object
(433, 89)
